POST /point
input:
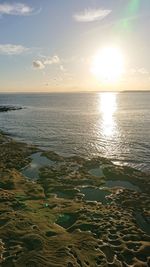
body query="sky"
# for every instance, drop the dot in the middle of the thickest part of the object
(51, 45)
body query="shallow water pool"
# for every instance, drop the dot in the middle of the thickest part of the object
(37, 161)
(95, 194)
(98, 172)
(123, 184)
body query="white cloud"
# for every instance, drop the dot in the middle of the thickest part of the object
(62, 68)
(41, 64)
(38, 64)
(90, 15)
(52, 60)
(10, 49)
(142, 71)
(18, 9)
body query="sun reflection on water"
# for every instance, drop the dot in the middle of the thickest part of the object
(108, 108)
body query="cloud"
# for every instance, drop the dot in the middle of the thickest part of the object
(142, 71)
(52, 60)
(37, 64)
(62, 68)
(41, 64)
(17, 9)
(10, 49)
(90, 15)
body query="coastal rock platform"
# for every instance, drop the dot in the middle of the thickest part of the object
(75, 213)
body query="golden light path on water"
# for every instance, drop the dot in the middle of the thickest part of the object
(108, 107)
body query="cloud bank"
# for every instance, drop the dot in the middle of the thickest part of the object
(90, 15)
(10, 49)
(17, 9)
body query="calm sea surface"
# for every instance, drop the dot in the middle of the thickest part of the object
(113, 125)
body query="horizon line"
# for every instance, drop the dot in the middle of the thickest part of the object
(57, 92)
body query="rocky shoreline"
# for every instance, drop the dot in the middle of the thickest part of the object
(71, 212)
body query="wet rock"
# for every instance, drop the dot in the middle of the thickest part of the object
(6, 195)
(2, 249)
(50, 233)
(70, 264)
(9, 108)
(33, 242)
(88, 233)
(53, 156)
(34, 191)
(31, 264)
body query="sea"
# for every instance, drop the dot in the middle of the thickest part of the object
(115, 125)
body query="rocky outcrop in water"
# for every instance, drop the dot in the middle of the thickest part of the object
(9, 108)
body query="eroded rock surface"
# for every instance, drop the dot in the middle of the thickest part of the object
(49, 222)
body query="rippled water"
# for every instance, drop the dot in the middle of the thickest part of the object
(114, 125)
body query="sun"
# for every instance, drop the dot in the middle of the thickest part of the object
(108, 65)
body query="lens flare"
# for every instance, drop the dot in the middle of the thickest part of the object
(130, 13)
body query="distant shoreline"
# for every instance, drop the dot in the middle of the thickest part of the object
(75, 92)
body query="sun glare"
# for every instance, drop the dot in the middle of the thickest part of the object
(108, 107)
(108, 65)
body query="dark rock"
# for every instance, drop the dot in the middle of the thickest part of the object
(9, 108)
(33, 242)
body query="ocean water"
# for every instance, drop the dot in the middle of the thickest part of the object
(113, 125)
